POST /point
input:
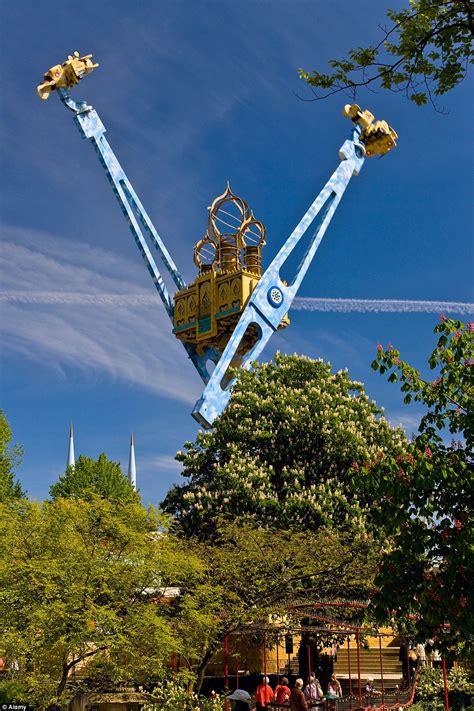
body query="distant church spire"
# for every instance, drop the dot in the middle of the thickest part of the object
(132, 470)
(71, 461)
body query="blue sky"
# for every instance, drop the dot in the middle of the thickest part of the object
(193, 94)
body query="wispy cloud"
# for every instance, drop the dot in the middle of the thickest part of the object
(408, 421)
(161, 462)
(381, 306)
(127, 342)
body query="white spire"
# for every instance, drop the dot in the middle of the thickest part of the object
(132, 470)
(71, 460)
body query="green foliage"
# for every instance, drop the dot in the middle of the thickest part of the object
(174, 697)
(79, 580)
(285, 452)
(89, 478)
(12, 691)
(449, 397)
(424, 53)
(251, 574)
(430, 690)
(9, 458)
(428, 567)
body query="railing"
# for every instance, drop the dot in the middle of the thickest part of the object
(389, 699)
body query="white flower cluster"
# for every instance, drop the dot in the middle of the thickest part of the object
(284, 450)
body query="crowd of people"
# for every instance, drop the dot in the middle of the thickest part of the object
(311, 696)
(416, 654)
(300, 698)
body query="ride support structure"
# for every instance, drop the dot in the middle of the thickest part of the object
(234, 337)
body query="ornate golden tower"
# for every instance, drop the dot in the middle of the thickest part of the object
(229, 258)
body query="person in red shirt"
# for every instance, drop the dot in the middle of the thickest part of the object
(264, 694)
(282, 692)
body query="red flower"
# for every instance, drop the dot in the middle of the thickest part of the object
(428, 452)
(458, 525)
(355, 466)
(442, 317)
(470, 326)
(379, 347)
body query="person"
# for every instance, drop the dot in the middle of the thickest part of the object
(79, 702)
(313, 691)
(334, 688)
(370, 688)
(429, 649)
(282, 692)
(421, 653)
(297, 699)
(402, 657)
(241, 700)
(436, 658)
(264, 694)
(412, 663)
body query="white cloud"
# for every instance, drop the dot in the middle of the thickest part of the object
(409, 421)
(110, 336)
(161, 462)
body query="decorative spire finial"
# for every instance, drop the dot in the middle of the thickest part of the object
(132, 470)
(71, 460)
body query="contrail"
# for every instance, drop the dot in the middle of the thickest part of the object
(381, 306)
(299, 304)
(80, 299)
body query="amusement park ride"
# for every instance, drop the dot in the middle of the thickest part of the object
(230, 311)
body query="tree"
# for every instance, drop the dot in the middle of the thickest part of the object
(253, 575)
(80, 581)
(430, 689)
(9, 458)
(424, 53)
(89, 477)
(271, 503)
(284, 452)
(427, 569)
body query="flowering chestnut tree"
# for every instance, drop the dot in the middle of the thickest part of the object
(428, 568)
(288, 452)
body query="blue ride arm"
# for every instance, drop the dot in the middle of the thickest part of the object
(91, 127)
(272, 297)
